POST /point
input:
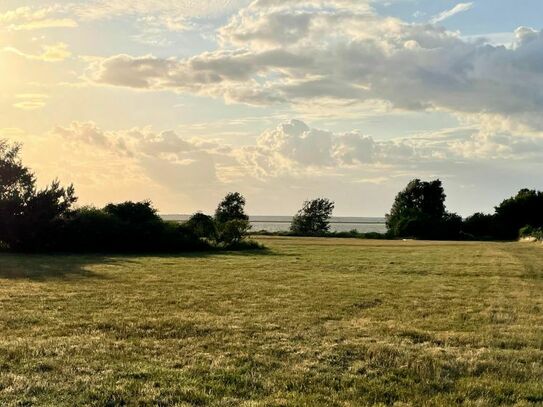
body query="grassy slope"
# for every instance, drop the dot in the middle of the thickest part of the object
(314, 322)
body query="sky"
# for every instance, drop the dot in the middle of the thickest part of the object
(182, 101)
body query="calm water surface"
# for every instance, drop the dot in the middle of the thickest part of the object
(282, 223)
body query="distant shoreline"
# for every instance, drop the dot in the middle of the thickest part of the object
(287, 219)
(282, 223)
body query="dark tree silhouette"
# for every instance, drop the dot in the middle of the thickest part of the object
(232, 207)
(480, 226)
(313, 218)
(523, 209)
(231, 221)
(133, 212)
(27, 215)
(203, 226)
(33, 219)
(419, 212)
(233, 232)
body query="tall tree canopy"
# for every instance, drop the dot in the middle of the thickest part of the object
(232, 223)
(27, 215)
(232, 207)
(313, 218)
(523, 209)
(419, 211)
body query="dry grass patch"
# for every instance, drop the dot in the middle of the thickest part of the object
(329, 322)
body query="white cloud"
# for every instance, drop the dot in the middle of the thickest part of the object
(28, 18)
(459, 8)
(30, 101)
(100, 9)
(164, 157)
(285, 165)
(51, 53)
(273, 53)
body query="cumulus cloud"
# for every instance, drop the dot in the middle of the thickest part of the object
(295, 149)
(164, 157)
(293, 160)
(280, 52)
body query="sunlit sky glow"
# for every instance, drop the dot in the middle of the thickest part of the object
(181, 101)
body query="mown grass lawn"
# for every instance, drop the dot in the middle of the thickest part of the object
(312, 322)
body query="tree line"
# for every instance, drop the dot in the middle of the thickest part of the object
(45, 220)
(419, 212)
(33, 219)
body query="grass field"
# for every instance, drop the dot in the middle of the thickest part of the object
(309, 323)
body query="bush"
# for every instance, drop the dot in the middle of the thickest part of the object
(530, 231)
(231, 233)
(526, 231)
(480, 226)
(203, 226)
(130, 227)
(43, 220)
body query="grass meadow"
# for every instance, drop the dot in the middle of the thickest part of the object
(310, 322)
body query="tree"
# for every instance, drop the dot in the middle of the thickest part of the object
(203, 226)
(523, 209)
(231, 221)
(28, 215)
(313, 218)
(134, 212)
(480, 226)
(232, 207)
(419, 212)
(233, 231)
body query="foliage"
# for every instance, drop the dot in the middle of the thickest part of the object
(28, 216)
(134, 212)
(233, 231)
(43, 220)
(450, 227)
(231, 222)
(480, 226)
(314, 217)
(419, 212)
(203, 226)
(232, 207)
(525, 208)
(530, 231)
(352, 234)
(129, 227)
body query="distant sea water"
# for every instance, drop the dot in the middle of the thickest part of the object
(282, 223)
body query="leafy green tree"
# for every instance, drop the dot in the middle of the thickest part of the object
(203, 226)
(27, 215)
(523, 209)
(134, 212)
(232, 207)
(233, 231)
(480, 226)
(313, 218)
(419, 212)
(231, 221)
